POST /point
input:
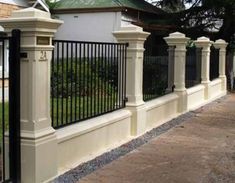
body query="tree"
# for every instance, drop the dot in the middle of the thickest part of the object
(51, 3)
(213, 18)
(171, 5)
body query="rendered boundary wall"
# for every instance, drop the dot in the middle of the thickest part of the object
(46, 152)
(84, 141)
(88, 139)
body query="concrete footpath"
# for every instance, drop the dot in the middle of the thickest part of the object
(199, 150)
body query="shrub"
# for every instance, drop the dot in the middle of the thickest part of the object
(69, 78)
(154, 79)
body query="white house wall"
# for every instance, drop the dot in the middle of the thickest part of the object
(89, 26)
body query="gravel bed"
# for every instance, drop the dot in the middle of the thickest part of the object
(84, 169)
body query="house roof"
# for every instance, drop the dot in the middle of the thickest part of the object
(140, 5)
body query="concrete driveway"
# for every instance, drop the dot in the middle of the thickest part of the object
(199, 150)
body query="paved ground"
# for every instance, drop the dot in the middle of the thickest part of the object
(199, 150)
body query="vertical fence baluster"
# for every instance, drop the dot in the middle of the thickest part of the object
(57, 45)
(116, 84)
(76, 81)
(105, 77)
(80, 81)
(123, 67)
(112, 70)
(96, 78)
(52, 90)
(120, 77)
(71, 82)
(86, 85)
(67, 82)
(92, 78)
(124, 75)
(88, 79)
(102, 79)
(99, 81)
(62, 87)
(109, 77)
(3, 111)
(84, 82)
(107, 83)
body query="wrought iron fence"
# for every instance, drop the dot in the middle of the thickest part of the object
(10, 170)
(155, 72)
(88, 79)
(214, 63)
(193, 66)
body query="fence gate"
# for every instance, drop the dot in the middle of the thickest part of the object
(10, 107)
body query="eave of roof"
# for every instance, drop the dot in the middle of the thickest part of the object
(87, 10)
(67, 6)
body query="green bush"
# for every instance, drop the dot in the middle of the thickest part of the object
(107, 71)
(154, 79)
(69, 78)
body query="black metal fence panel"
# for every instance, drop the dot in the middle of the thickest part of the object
(214, 63)
(4, 109)
(193, 67)
(10, 108)
(155, 72)
(88, 79)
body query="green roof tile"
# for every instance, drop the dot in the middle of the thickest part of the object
(72, 4)
(83, 4)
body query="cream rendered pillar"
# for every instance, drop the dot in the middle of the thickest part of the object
(136, 37)
(205, 44)
(38, 139)
(221, 45)
(179, 40)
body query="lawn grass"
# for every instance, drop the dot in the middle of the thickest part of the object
(68, 110)
(76, 109)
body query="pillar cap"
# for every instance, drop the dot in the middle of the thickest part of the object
(131, 28)
(176, 38)
(203, 42)
(203, 39)
(131, 33)
(220, 43)
(177, 35)
(30, 20)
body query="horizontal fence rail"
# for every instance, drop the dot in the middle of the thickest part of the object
(155, 72)
(88, 79)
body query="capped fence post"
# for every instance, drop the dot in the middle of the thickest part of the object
(221, 45)
(205, 44)
(135, 37)
(179, 41)
(38, 138)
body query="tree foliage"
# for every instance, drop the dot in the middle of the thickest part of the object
(214, 18)
(51, 4)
